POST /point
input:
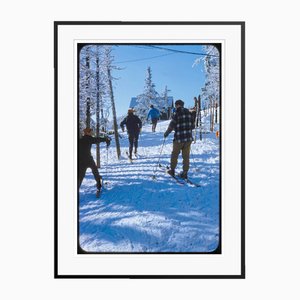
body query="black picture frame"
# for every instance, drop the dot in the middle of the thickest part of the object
(242, 273)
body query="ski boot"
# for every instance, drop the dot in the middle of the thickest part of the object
(171, 172)
(183, 175)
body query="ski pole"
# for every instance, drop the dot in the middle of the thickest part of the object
(196, 169)
(159, 159)
(106, 162)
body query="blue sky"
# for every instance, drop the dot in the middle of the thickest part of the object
(168, 68)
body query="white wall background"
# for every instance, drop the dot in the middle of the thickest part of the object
(27, 124)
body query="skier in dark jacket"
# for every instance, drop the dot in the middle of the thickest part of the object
(193, 111)
(85, 158)
(133, 125)
(182, 123)
(154, 115)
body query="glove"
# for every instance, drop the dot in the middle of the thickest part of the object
(107, 142)
(165, 134)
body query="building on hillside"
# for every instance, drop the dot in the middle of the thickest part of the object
(165, 114)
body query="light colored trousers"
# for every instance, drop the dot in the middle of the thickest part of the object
(185, 148)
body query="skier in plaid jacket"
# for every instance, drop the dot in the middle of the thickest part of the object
(182, 123)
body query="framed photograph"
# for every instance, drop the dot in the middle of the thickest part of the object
(149, 150)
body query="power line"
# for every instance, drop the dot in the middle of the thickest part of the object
(140, 59)
(181, 51)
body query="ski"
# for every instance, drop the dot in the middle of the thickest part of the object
(179, 181)
(188, 181)
(178, 178)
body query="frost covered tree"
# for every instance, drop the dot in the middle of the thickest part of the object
(101, 86)
(95, 90)
(211, 90)
(100, 92)
(212, 75)
(211, 62)
(164, 103)
(94, 96)
(107, 64)
(92, 89)
(86, 93)
(148, 97)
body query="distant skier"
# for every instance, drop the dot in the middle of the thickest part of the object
(173, 110)
(154, 115)
(133, 125)
(85, 158)
(193, 111)
(182, 123)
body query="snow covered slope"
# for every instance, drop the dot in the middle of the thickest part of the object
(138, 214)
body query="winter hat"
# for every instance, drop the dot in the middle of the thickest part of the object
(179, 102)
(131, 110)
(87, 130)
(151, 106)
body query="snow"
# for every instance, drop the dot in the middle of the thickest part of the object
(136, 213)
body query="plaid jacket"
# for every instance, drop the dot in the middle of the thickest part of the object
(182, 123)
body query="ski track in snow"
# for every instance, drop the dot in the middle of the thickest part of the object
(138, 214)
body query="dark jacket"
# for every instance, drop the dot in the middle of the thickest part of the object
(194, 114)
(133, 124)
(182, 123)
(85, 145)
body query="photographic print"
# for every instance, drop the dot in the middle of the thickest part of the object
(149, 149)
(150, 113)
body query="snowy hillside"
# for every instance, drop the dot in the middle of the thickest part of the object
(138, 214)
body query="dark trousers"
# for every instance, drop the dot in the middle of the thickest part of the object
(154, 123)
(133, 141)
(82, 167)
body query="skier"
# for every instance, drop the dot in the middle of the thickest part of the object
(133, 125)
(154, 115)
(193, 111)
(173, 110)
(85, 158)
(182, 123)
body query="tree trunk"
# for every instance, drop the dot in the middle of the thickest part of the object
(211, 115)
(88, 113)
(87, 89)
(98, 110)
(216, 113)
(114, 115)
(200, 121)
